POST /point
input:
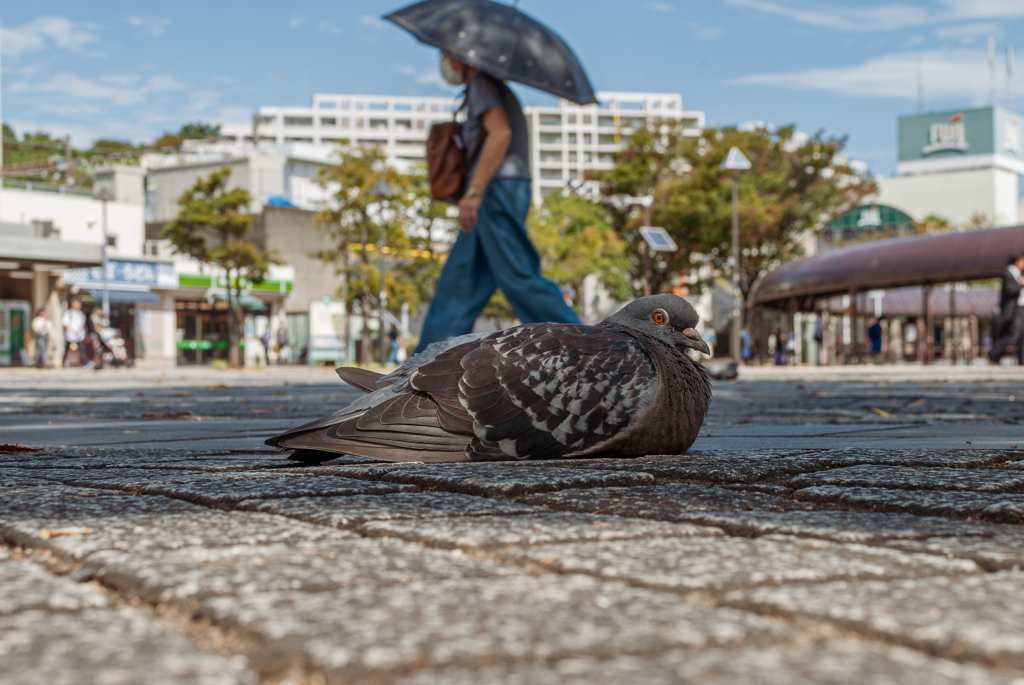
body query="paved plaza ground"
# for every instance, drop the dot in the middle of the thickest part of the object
(851, 525)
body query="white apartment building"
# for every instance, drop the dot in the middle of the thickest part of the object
(565, 139)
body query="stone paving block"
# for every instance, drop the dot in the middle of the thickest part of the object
(979, 618)
(752, 514)
(997, 508)
(108, 647)
(753, 467)
(508, 480)
(137, 524)
(192, 574)
(924, 478)
(483, 532)
(963, 459)
(353, 510)
(838, 662)
(357, 633)
(715, 565)
(225, 490)
(1001, 552)
(25, 586)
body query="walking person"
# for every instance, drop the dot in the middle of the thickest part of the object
(1011, 311)
(41, 333)
(875, 336)
(74, 332)
(492, 249)
(393, 346)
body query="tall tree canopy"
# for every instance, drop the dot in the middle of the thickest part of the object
(796, 184)
(212, 227)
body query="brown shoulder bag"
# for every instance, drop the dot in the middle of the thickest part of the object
(447, 163)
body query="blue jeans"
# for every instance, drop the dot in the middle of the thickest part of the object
(496, 254)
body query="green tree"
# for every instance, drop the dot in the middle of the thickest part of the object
(354, 218)
(576, 238)
(213, 228)
(794, 187)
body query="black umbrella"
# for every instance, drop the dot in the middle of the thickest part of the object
(501, 41)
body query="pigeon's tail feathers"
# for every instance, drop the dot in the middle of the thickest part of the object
(317, 442)
(363, 379)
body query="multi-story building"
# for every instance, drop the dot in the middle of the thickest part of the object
(565, 139)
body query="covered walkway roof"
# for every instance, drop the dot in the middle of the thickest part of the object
(892, 263)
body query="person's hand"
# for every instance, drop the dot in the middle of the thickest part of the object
(468, 207)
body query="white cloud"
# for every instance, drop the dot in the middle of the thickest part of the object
(328, 27)
(115, 89)
(967, 33)
(296, 22)
(702, 32)
(44, 32)
(961, 74)
(660, 7)
(372, 21)
(885, 17)
(155, 26)
(430, 76)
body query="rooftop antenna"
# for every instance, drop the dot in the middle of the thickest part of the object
(992, 69)
(920, 86)
(1009, 76)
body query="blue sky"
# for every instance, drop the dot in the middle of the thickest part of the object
(131, 70)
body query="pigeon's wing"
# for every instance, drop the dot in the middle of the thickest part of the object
(542, 391)
(363, 379)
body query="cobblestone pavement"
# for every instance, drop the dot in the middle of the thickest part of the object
(823, 538)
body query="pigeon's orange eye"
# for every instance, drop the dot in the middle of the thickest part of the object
(659, 317)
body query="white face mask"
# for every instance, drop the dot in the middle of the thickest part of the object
(450, 72)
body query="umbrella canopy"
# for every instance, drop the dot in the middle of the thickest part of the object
(501, 41)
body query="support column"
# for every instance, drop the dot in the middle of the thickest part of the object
(975, 342)
(952, 324)
(854, 351)
(927, 342)
(826, 349)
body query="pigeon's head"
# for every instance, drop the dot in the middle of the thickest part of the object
(668, 317)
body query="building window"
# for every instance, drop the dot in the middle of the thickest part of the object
(587, 119)
(550, 156)
(402, 107)
(588, 157)
(409, 142)
(336, 141)
(605, 158)
(403, 124)
(359, 105)
(572, 156)
(378, 123)
(111, 241)
(325, 104)
(606, 122)
(298, 140)
(551, 138)
(267, 120)
(588, 139)
(572, 139)
(343, 104)
(378, 106)
(550, 119)
(328, 121)
(571, 118)
(574, 174)
(421, 106)
(433, 108)
(420, 124)
(372, 141)
(606, 139)
(298, 121)
(345, 121)
(551, 174)
(360, 123)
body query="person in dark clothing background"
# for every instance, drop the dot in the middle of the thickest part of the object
(1011, 311)
(492, 249)
(875, 336)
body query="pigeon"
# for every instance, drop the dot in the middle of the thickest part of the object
(625, 387)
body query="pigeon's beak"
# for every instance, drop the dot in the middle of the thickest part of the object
(695, 342)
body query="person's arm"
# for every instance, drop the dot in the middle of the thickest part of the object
(499, 137)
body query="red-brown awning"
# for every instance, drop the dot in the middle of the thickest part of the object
(892, 263)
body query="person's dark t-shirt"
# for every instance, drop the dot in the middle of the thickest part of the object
(486, 93)
(875, 335)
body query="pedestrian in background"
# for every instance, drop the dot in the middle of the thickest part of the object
(1011, 311)
(875, 336)
(393, 346)
(492, 249)
(746, 346)
(74, 332)
(41, 333)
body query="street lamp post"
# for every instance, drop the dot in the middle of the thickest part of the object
(735, 162)
(383, 190)
(104, 195)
